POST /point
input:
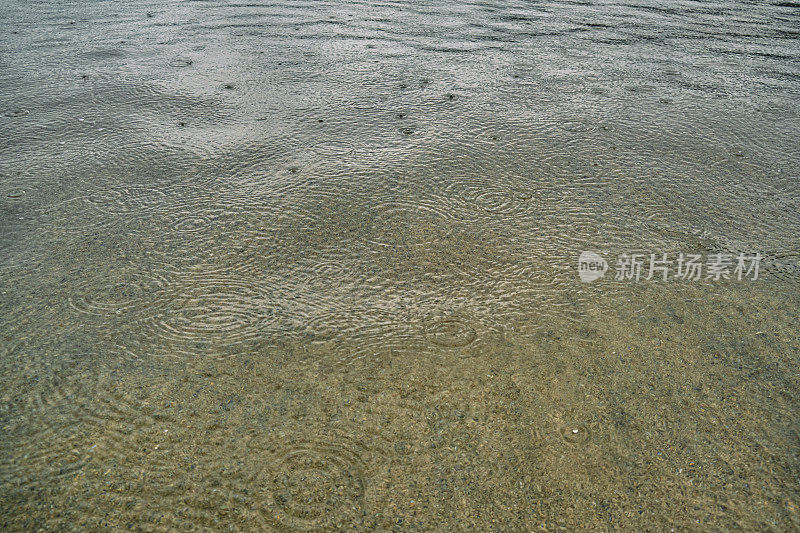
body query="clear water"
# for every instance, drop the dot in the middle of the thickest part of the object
(313, 265)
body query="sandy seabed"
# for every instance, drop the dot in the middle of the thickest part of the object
(313, 266)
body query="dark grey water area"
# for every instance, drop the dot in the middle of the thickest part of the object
(313, 265)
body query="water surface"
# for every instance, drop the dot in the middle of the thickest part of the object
(313, 265)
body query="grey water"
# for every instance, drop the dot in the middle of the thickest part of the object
(314, 265)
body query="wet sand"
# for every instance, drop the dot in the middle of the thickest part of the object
(313, 266)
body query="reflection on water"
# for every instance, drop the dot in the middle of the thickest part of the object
(313, 265)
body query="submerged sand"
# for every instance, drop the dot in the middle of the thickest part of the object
(314, 266)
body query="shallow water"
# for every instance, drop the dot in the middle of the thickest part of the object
(314, 265)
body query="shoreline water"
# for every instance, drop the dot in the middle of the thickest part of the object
(314, 266)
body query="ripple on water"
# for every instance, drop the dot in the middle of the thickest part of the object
(16, 194)
(326, 149)
(130, 420)
(579, 125)
(404, 223)
(15, 112)
(241, 161)
(37, 417)
(311, 481)
(128, 293)
(784, 266)
(481, 198)
(331, 269)
(127, 200)
(188, 218)
(475, 331)
(44, 458)
(350, 334)
(70, 417)
(191, 224)
(181, 62)
(211, 314)
(105, 207)
(575, 433)
(315, 485)
(450, 332)
(222, 309)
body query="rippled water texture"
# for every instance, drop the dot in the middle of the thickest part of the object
(312, 265)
